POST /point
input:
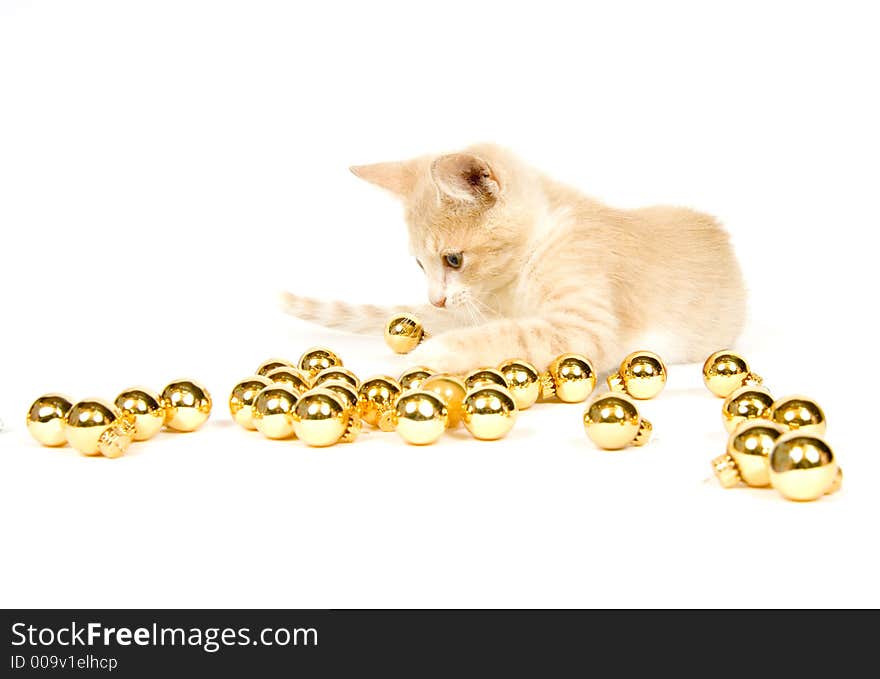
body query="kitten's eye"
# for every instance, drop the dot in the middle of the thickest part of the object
(421, 266)
(453, 259)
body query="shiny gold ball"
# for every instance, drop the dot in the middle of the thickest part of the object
(412, 378)
(452, 391)
(86, 421)
(799, 413)
(643, 374)
(489, 412)
(292, 378)
(345, 391)
(420, 417)
(336, 374)
(377, 396)
(570, 378)
(751, 402)
(612, 422)
(403, 333)
(273, 409)
(724, 372)
(750, 446)
(316, 359)
(187, 405)
(241, 400)
(45, 419)
(146, 408)
(802, 467)
(271, 364)
(484, 377)
(523, 381)
(320, 418)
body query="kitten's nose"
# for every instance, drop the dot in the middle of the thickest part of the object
(440, 303)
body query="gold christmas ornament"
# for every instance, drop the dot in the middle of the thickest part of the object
(241, 400)
(292, 378)
(523, 381)
(612, 421)
(336, 374)
(403, 333)
(187, 405)
(45, 419)
(349, 396)
(452, 391)
(489, 412)
(316, 359)
(377, 397)
(420, 417)
(747, 458)
(799, 413)
(570, 378)
(751, 402)
(484, 377)
(115, 440)
(86, 421)
(320, 418)
(726, 371)
(802, 467)
(642, 375)
(271, 364)
(273, 409)
(412, 378)
(146, 408)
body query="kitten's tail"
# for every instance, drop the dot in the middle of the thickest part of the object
(357, 318)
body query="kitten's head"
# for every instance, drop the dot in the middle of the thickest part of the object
(466, 216)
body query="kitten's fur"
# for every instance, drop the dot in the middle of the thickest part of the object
(547, 270)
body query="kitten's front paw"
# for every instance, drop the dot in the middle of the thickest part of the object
(435, 354)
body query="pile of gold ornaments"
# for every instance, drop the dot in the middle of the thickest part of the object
(772, 442)
(95, 426)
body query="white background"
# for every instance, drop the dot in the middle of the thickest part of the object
(167, 167)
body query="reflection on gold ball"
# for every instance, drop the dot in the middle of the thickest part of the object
(45, 419)
(320, 418)
(345, 391)
(316, 359)
(799, 413)
(748, 453)
(271, 364)
(484, 377)
(187, 405)
(147, 409)
(452, 391)
(86, 421)
(724, 372)
(377, 396)
(570, 378)
(403, 333)
(642, 375)
(336, 374)
(802, 467)
(273, 411)
(523, 381)
(612, 422)
(489, 412)
(420, 417)
(291, 378)
(241, 400)
(412, 378)
(751, 402)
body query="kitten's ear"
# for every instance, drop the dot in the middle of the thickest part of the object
(397, 177)
(466, 178)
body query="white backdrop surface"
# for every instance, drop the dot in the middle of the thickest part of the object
(167, 167)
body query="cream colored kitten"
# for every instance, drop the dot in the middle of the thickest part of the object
(520, 266)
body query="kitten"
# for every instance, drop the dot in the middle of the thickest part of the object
(520, 266)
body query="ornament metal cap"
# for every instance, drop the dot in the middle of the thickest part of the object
(726, 471)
